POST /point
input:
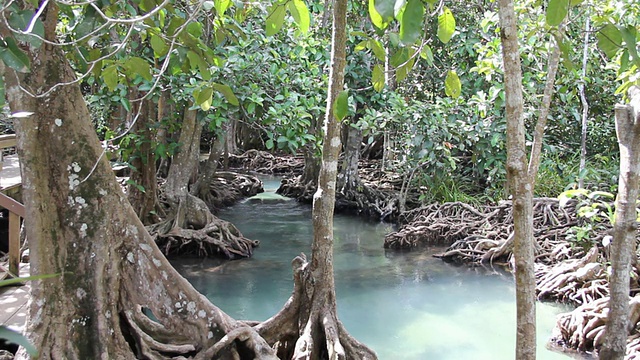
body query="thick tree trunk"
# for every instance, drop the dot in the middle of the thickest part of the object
(623, 247)
(81, 226)
(521, 187)
(185, 163)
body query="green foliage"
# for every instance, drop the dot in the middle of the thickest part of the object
(594, 210)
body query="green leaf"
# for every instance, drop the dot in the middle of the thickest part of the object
(147, 5)
(376, 18)
(269, 144)
(22, 20)
(18, 339)
(452, 86)
(275, 19)
(195, 61)
(174, 24)
(159, 46)
(20, 280)
(138, 66)
(385, 8)
(341, 105)
(427, 54)
(195, 29)
(556, 11)
(361, 45)
(377, 78)
(446, 25)
(629, 36)
(565, 50)
(403, 71)
(204, 95)
(411, 25)
(110, 76)
(377, 49)
(222, 6)
(13, 57)
(609, 40)
(227, 93)
(90, 21)
(300, 14)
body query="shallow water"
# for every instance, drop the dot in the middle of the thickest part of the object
(404, 305)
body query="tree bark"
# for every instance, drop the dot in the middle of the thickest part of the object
(81, 226)
(348, 177)
(585, 105)
(623, 247)
(521, 187)
(144, 200)
(185, 163)
(543, 112)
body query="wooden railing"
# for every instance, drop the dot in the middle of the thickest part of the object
(16, 211)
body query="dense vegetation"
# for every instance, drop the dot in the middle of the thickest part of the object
(424, 96)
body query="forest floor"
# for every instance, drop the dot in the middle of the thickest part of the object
(572, 262)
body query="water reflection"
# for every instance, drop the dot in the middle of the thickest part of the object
(404, 305)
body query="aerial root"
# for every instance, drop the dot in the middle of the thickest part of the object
(152, 339)
(245, 334)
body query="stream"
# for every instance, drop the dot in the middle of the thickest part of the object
(404, 305)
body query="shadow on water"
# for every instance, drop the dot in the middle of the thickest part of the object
(405, 305)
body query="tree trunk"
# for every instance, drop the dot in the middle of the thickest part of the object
(623, 247)
(202, 187)
(585, 105)
(185, 163)
(81, 226)
(521, 188)
(191, 228)
(164, 107)
(348, 177)
(145, 199)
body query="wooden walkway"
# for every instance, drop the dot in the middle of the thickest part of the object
(13, 299)
(13, 303)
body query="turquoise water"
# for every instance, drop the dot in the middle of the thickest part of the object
(404, 305)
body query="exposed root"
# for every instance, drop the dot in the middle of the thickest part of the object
(193, 230)
(266, 163)
(307, 326)
(583, 328)
(368, 201)
(482, 234)
(577, 281)
(227, 188)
